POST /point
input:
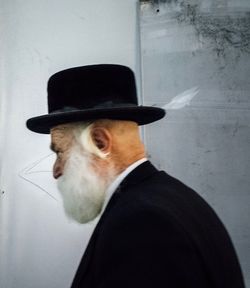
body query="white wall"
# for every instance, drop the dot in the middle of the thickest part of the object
(39, 247)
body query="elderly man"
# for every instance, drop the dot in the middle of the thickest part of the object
(153, 231)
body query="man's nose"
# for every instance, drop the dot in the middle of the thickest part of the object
(57, 171)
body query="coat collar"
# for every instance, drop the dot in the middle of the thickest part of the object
(137, 175)
(141, 172)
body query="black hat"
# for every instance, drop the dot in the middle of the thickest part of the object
(86, 93)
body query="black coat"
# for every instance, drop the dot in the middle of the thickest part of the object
(157, 232)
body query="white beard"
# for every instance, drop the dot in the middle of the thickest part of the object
(82, 189)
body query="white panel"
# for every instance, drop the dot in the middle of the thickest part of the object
(39, 247)
(205, 140)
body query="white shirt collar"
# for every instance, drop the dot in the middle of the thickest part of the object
(114, 185)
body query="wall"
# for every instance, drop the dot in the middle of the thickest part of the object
(39, 247)
(195, 59)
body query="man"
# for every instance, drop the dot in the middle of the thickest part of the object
(153, 231)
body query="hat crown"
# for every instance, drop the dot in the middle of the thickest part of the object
(88, 93)
(93, 86)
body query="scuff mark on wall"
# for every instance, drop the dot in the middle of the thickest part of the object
(223, 31)
(218, 26)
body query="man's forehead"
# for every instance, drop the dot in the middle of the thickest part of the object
(61, 130)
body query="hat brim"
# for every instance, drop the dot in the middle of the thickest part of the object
(140, 114)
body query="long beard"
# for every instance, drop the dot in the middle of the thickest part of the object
(82, 189)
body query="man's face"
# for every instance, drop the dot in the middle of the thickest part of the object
(61, 142)
(79, 180)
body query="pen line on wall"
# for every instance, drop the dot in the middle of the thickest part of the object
(26, 171)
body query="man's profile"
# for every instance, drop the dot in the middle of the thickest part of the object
(154, 231)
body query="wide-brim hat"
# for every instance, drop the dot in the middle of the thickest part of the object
(87, 93)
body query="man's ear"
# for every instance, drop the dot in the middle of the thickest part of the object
(102, 139)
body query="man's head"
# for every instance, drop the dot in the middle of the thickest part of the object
(91, 151)
(89, 157)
